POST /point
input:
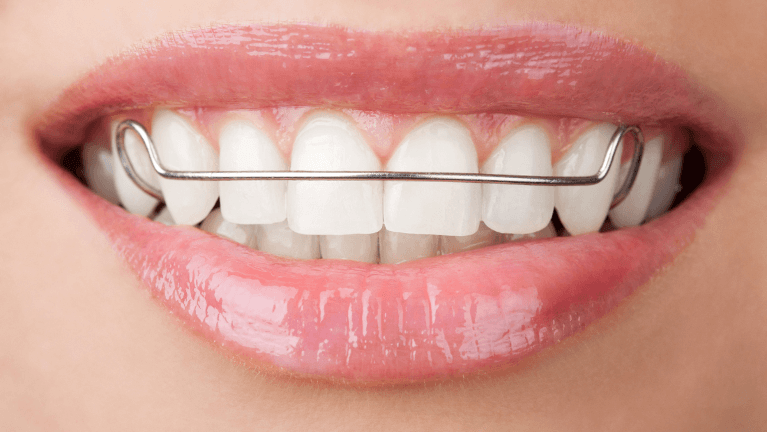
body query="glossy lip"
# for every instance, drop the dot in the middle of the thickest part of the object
(427, 319)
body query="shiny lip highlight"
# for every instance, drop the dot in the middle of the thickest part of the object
(423, 320)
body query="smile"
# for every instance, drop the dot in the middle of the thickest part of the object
(373, 281)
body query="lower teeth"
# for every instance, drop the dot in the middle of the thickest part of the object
(384, 247)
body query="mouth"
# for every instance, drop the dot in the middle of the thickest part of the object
(386, 282)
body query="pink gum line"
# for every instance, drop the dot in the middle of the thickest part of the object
(384, 131)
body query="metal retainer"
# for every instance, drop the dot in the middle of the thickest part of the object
(600, 175)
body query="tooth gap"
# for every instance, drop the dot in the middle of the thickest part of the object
(558, 227)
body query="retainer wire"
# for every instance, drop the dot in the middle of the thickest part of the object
(164, 172)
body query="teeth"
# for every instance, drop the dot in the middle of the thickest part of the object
(132, 198)
(482, 238)
(519, 209)
(278, 239)
(215, 224)
(181, 147)
(401, 247)
(582, 209)
(633, 209)
(547, 232)
(99, 174)
(164, 217)
(438, 145)
(357, 247)
(245, 148)
(372, 221)
(666, 187)
(331, 143)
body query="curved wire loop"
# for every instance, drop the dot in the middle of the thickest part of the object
(164, 172)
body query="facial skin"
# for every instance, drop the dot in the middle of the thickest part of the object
(83, 346)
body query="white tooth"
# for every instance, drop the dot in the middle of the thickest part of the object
(357, 247)
(215, 224)
(99, 174)
(482, 238)
(513, 208)
(401, 247)
(132, 198)
(278, 239)
(632, 210)
(666, 187)
(329, 142)
(243, 147)
(164, 217)
(181, 147)
(582, 209)
(438, 145)
(547, 232)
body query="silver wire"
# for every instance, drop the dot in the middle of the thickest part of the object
(162, 171)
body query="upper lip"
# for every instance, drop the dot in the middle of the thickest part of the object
(533, 68)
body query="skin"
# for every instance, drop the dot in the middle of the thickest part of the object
(84, 347)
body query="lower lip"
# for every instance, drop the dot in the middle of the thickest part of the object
(423, 320)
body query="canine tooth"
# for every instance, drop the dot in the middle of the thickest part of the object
(181, 147)
(515, 208)
(134, 200)
(547, 232)
(243, 147)
(633, 209)
(278, 239)
(397, 247)
(164, 217)
(582, 209)
(329, 142)
(99, 172)
(216, 224)
(666, 187)
(357, 247)
(438, 145)
(482, 238)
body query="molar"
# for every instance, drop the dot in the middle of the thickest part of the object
(181, 147)
(99, 171)
(134, 199)
(633, 210)
(329, 142)
(583, 209)
(243, 147)
(438, 145)
(514, 208)
(666, 187)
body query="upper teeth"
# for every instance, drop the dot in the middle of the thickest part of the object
(348, 215)
(513, 208)
(582, 209)
(331, 143)
(633, 210)
(132, 198)
(181, 147)
(438, 145)
(243, 147)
